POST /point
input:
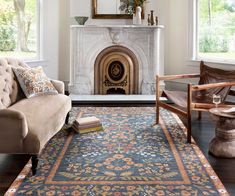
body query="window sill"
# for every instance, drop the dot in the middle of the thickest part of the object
(196, 62)
(35, 63)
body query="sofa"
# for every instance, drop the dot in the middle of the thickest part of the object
(27, 124)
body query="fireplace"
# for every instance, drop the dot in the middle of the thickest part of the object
(116, 71)
(115, 59)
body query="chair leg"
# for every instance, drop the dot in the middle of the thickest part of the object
(157, 114)
(199, 115)
(67, 119)
(189, 111)
(34, 160)
(189, 127)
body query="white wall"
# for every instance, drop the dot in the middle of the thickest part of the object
(64, 47)
(50, 37)
(55, 16)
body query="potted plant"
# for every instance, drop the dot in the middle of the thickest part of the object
(129, 6)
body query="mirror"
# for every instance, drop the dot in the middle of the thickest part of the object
(108, 9)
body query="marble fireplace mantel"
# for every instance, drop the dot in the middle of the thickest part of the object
(88, 41)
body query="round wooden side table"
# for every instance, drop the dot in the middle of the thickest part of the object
(223, 144)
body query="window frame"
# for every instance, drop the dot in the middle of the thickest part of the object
(39, 24)
(193, 37)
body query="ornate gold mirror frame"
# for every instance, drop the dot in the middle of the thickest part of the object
(96, 15)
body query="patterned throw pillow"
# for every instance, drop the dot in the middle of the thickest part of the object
(34, 81)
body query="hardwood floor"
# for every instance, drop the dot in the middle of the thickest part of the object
(202, 131)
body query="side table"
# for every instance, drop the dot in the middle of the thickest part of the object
(223, 145)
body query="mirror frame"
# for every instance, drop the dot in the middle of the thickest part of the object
(95, 15)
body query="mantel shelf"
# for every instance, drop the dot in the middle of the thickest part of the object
(116, 26)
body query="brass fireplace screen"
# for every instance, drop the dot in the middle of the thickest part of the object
(116, 71)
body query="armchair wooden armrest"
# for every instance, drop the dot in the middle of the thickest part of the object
(181, 76)
(213, 85)
(207, 106)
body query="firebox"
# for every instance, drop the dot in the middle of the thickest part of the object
(116, 71)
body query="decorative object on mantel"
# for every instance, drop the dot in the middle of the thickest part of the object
(81, 19)
(151, 18)
(156, 21)
(138, 15)
(149, 23)
(134, 8)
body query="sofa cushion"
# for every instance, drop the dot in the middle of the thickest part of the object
(34, 81)
(45, 115)
(10, 91)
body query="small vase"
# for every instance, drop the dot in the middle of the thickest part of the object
(138, 15)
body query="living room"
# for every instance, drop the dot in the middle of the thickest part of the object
(107, 68)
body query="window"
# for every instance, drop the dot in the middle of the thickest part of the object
(215, 30)
(19, 29)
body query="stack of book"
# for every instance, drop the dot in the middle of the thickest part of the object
(87, 124)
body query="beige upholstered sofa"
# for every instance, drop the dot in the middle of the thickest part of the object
(26, 125)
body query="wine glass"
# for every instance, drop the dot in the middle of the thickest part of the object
(216, 100)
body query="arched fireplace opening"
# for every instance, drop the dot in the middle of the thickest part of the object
(116, 71)
(116, 91)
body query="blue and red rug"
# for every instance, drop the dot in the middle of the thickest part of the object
(128, 158)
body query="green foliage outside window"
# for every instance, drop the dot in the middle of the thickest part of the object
(18, 28)
(216, 26)
(7, 35)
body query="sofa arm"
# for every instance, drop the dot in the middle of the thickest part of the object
(13, 130)
(59, 86)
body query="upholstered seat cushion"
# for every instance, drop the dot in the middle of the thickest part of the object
(44, 114)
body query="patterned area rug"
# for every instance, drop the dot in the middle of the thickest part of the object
(128, 158)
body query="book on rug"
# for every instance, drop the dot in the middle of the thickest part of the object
(87, 124)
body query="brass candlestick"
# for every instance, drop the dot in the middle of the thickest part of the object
(156, 21)
(152, 19)
(149, 20)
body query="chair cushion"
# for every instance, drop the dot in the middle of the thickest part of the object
(178, 97)
(45, 115)
(34, 81)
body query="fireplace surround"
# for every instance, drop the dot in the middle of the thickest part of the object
(115, 59)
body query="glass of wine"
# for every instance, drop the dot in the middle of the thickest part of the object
(216, 100)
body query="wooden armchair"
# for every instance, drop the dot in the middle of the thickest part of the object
(198, 97)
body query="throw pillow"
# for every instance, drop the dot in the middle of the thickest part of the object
(34, 81)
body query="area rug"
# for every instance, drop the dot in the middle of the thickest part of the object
(130, 157)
